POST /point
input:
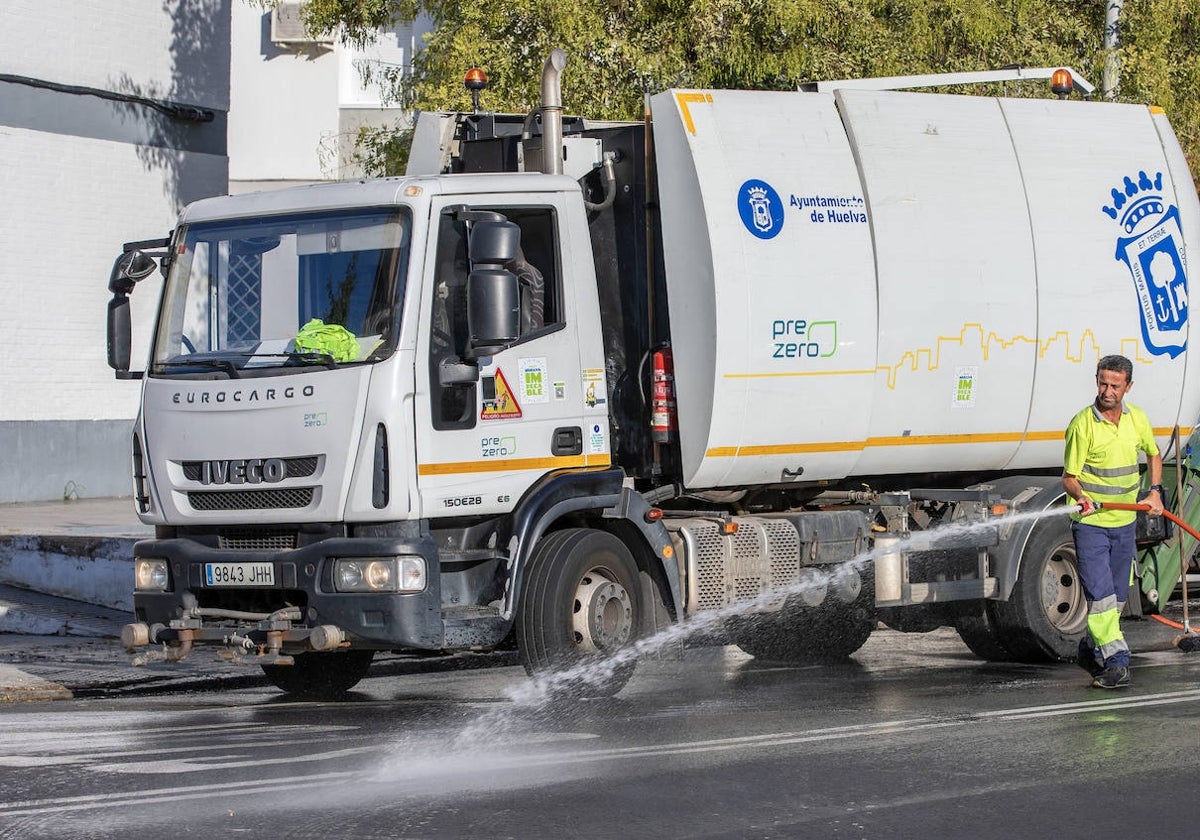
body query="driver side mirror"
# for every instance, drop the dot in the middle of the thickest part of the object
(119, 332)
(130, 268)
(493, 293)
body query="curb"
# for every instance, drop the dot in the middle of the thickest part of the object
(16, 686)
(25, 612)
(94, 570)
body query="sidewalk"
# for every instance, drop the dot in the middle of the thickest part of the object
(109, 517)
(65, 591)
(81, 549)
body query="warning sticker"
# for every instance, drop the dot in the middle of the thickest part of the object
(499, 402)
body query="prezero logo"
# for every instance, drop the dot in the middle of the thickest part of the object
(760, 209)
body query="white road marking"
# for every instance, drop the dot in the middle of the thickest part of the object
(226, 762)
(64, 804)
(762, 741)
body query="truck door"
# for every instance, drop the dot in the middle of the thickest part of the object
(483, 439)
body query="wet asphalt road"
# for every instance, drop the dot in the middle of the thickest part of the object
(914, 738)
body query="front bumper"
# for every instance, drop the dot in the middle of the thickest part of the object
(300, 612)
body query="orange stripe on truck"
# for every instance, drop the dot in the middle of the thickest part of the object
(900, 440)
(512, 464)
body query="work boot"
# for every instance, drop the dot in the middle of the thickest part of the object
(1117, 677)
(1088, 660)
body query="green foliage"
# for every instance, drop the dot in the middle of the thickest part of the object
(381, 151)
(619, 49)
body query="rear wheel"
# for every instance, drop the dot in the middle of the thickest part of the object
(580, 605)
(803, 634)
(321, 676)
(977, 628)
(1045, 616)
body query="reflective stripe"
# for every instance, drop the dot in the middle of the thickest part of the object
(1103, 605)
(1110, 472)
(1106, 490)
(1112, 648)
(1105, 628)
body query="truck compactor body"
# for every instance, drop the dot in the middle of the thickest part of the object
(705, 363)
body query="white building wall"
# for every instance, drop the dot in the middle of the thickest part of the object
(283, 105)
(83, 174)
(167, 47)
(295, 109)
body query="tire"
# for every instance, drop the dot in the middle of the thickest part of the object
(978, 629)
(1045, 616)
(922, 619)
(802, 635)
(580, 604)
(321, 676)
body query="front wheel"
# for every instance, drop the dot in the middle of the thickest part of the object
(1046, 614)
(321, 676)
(580, 605)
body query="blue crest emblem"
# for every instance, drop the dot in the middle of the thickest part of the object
(1152, 249)
(760, 208)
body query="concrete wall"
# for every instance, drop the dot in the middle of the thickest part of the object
(82, 174)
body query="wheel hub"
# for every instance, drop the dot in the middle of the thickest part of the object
(602, 617)
(1062, 592)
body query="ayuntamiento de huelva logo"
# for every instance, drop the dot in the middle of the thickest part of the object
(760, 208)
(1151, 246)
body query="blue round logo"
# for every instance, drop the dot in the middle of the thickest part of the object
(760, 208)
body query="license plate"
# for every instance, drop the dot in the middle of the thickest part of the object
(239, 574)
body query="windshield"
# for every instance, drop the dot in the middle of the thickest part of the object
(284, 291)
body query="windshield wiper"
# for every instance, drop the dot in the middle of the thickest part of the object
(228, 366)
(220, 364)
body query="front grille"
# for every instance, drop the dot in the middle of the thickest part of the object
(256, 539)
(290, 497)
(294, 468)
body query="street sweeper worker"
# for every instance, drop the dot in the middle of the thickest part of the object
(1100, 464)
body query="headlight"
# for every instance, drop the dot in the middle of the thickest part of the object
(150, 575)
(379, 574)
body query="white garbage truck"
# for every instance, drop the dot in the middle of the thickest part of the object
(566, 383)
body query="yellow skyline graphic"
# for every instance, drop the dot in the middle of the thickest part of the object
(1075, 351)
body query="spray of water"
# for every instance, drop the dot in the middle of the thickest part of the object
(493, 742)
(598, 671)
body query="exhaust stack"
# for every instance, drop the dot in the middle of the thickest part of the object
(552, 157)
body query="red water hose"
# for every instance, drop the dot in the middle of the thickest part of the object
(1173, 518)
(1141, 506)
(1169, 622)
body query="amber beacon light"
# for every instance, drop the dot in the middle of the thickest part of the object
(475, 81)
(1061, 83)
